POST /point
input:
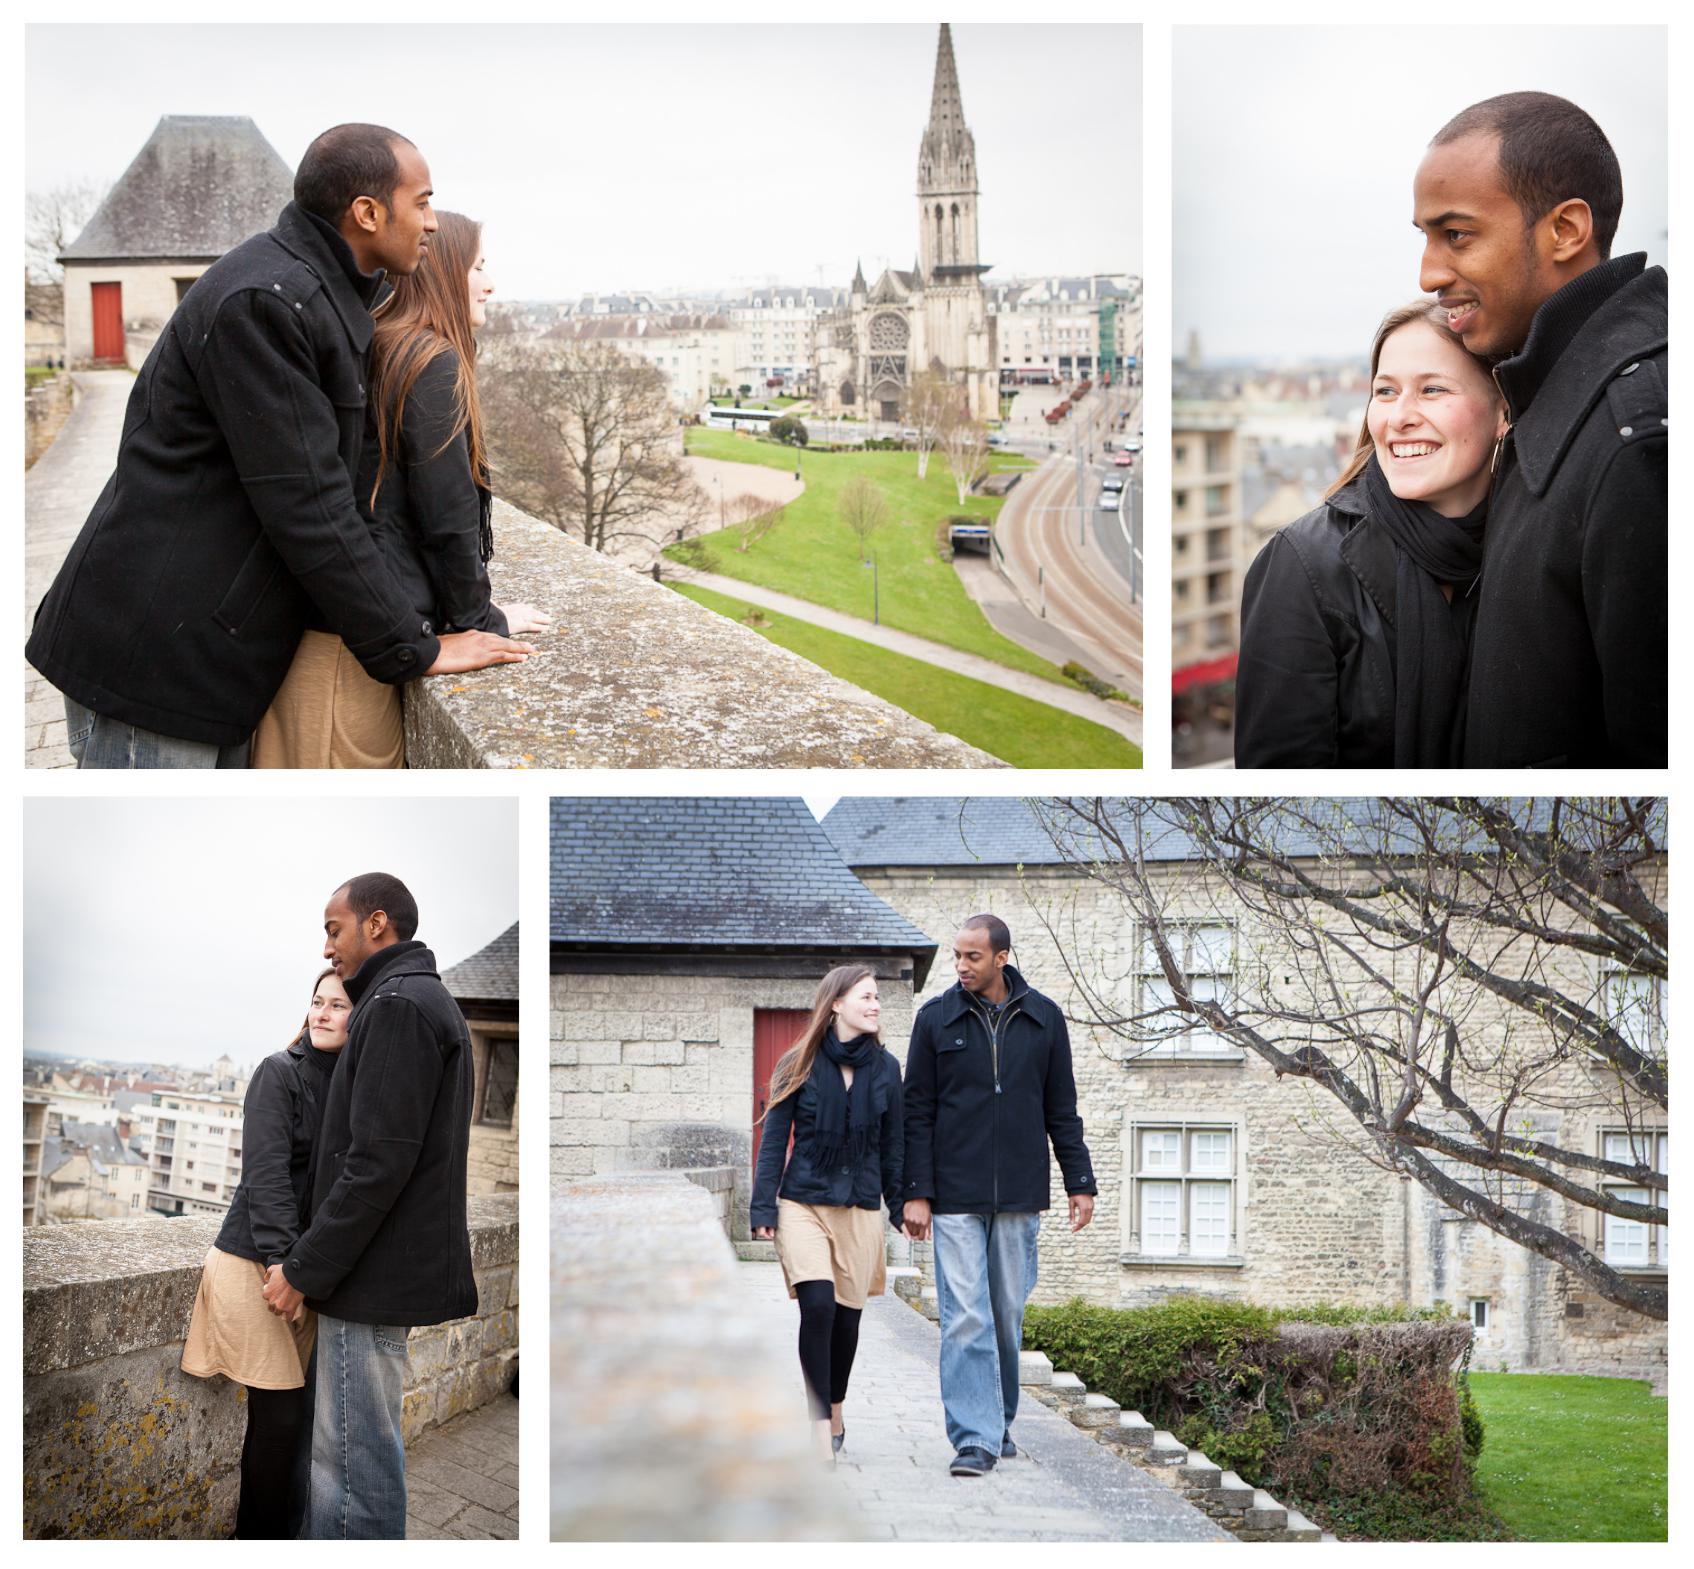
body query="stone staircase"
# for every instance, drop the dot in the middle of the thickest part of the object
(1249, 1513)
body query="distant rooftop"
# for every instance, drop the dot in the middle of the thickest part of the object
(489, 975)
(199, 186)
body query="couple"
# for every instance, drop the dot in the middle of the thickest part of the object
(298, 522)
(348, 1228)
(960, 1155)
(1485, 584)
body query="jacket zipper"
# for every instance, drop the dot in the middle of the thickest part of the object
(994, 1125)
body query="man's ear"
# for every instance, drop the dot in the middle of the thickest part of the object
(379, 923)
(364, 213)
(1570, 228)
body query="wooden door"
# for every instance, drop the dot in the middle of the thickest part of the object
(774, 1031)
(108, 304)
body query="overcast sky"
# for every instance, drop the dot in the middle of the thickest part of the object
(604, 158)
(175, 930)
(1294, 150)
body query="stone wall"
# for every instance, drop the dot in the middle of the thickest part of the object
(46, 408)
(636, 676)
(655, 1071)
(119, 1442)
(673, 1417)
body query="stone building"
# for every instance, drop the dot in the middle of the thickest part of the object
(200, 185)
(1215, 1177)
(35, 1133)
(936, 316)
(485, 986)
(1064, 328)
(91, 1171)
(687, 939)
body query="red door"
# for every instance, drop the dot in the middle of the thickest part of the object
(774, 1031)
(108, 322)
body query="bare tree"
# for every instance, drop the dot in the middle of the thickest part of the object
(752, 517)
(929, 401)
(52, 220)
(584, 437)
(1456, 975)
(863, 510)
(965, 443)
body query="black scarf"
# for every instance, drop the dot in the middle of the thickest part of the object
(846, 1117)
(1432, 637)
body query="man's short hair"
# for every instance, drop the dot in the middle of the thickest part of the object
(999, 934)
(1550, 152)
(373, 891)
(345, 163)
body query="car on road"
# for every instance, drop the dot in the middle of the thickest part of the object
(996, 439)
(1111, 500)
(1123, 459)
(1112, 482)
(1132, 445)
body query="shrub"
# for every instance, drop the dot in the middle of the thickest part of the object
(789, 431)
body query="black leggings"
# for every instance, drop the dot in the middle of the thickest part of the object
(278, 1422)
(829, 1336)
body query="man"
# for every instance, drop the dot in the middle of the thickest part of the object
(229, 525)
(388, 1246)
(988, 1084)
(1518, 199)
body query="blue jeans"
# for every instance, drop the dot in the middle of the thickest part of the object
(98, 742)
(358, 1459)
(984, 1273)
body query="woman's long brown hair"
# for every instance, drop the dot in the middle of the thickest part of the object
(429, 313)
(1418, 310)
(794, 1066)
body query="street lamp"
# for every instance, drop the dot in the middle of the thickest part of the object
(876, 607)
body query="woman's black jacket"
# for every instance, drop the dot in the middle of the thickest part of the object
(279, 1135)
(427, 517)
(875, 1181)
(1315, 684)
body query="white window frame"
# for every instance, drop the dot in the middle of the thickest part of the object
(1196, 1040)
(1479, 1324)
(1658, 993)
(1633, 1244)
(1174, 1167)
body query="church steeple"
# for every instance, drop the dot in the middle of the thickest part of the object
(947, 188)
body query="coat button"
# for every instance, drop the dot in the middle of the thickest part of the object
(427, 629)
(1626, 430)
(277, 287)
(407, 656)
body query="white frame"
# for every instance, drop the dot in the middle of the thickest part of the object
(1180, 1136)
(1196, 1039)
(1620, 1237)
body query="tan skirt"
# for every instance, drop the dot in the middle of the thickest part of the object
(826, 1242)
(330, 714)
(232, 1331)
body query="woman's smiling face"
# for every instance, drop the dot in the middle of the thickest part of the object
(1434, 419)
(328, 1015)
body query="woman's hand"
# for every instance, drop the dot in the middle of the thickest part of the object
(462, 651)
(525, 618)
(764, 1233)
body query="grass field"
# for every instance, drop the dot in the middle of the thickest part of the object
(812, 554)
(1015, 729)
(1569, 1459)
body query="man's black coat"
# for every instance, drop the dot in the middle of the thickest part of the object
(388, 1242)
(1569, 661)
(982, 1102)
(229, 524)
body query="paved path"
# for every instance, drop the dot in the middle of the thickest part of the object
(462, 1477)
(1072, 701)
(1063, 1487)
(59, 493)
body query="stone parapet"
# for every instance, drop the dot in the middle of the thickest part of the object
(674, 1418)
(635, 676)
(119, 1442)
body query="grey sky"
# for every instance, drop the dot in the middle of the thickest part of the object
(602, 158)
(176, 930)
(1294, 149)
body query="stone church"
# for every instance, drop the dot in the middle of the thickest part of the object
(934, 317)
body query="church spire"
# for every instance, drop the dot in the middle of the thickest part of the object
(947, 184)
(859, 285)
(946, 110)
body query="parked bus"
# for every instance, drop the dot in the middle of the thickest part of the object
(720, 417)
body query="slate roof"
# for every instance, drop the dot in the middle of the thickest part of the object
(702, 873)
(201, 184)
(104, 1147)
(489, 975)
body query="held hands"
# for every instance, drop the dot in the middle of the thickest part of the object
(525, 618)
(461, 651)
(916, 1219)
(1082, 1210)
(280, 1297)
(764, 1233)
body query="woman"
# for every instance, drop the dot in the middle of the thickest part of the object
(1356, 620)
(423, 485)
(838, 1091)
(233, 1331)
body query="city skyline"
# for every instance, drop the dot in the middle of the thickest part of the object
(617, 185)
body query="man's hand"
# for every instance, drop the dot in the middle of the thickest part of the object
(461, 651)
(280, 1297)
(525, 618)
(1082, 1210)
(915, 1219)
(764, 1233)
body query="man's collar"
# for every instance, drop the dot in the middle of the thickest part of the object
(1557, 320)
(365, 284)
(379, 963)
(959, 1000)
(352, 293)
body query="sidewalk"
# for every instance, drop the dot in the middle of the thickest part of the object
(1063, 1487)
(462, 1477)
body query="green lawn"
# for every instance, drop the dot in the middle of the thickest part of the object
(34, 375)
(812, 554)
(1569, 1459)
(1015, 729)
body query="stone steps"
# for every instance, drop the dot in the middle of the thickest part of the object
(1165, 1450)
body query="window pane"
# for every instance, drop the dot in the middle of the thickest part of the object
(1632, 1001)
(1210, 1152)
(1201, 1037)
(1161, 1218)
(1626, 1240)
(1209, 1218)
(1211, 949)
(1161, 1150)
(1162, 1031)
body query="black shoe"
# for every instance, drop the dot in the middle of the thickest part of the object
(836, 1440)
(972, 1461)
(1008, 1450)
